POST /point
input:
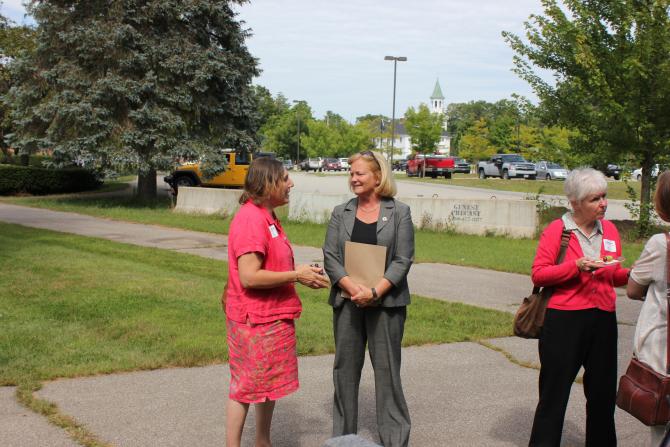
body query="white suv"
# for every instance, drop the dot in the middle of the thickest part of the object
(344, 163)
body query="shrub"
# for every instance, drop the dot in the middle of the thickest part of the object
(24, 179)
(35, 160)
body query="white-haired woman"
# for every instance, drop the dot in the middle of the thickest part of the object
(580, 326)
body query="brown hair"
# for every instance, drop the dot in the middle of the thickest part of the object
(662, 196)
(381, 169)
(262, 180)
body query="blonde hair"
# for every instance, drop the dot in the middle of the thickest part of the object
(262, 181)
(381, 168)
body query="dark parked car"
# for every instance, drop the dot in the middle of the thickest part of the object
(332, 164)
(461, 165)
(611, 170)
(400, 164)
(259, 154)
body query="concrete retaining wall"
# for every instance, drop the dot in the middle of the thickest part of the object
(314, 207)
(207, 200)
(515, 218)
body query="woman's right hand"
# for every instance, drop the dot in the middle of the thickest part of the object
(312, 277)
(586, 264)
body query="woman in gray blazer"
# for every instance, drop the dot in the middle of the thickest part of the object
(373, 315)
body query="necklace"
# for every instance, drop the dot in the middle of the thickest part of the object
(368, 210)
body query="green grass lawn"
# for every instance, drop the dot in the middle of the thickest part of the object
(491, 252)
(615, 190)
(77, 306)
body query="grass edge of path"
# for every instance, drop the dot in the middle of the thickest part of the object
(25, 395)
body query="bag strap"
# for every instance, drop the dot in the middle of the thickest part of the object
(565, 239)
(667, 315)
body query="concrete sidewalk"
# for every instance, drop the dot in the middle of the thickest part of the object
(459, 394)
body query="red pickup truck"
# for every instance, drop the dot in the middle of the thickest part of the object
(436, 165)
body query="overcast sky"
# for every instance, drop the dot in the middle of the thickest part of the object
(331, 53)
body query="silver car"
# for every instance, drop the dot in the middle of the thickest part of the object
(548, 170)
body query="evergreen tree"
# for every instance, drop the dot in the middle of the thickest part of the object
(15, 41)
(136, 83)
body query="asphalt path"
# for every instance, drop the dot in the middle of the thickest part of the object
(459, 394)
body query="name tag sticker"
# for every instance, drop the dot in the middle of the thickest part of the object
(273, 231)
(609, 245)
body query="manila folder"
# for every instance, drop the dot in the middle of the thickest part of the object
(364, 263)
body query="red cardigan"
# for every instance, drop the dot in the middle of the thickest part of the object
(573, 289)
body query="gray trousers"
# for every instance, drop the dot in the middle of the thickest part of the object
(382, 329)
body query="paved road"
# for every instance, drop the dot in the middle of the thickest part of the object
(459, 394)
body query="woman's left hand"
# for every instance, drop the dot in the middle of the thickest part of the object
(364, 297)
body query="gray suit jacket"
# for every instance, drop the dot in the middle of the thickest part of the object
(394, 230)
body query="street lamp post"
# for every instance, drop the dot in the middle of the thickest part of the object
(297, 160)
(395, 60)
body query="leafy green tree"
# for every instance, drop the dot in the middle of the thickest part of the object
(269, 106)
(280, 132)
(357, 138)
(461, 116)
(329, 138)
(136, 84)
(322, 141)
(378, 127)
(553, 143)
(424, 128)
(475, 143)
(528, 143)
(502, 133)
(611, 65)
(503, 119)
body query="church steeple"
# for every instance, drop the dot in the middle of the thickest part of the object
(437, 99)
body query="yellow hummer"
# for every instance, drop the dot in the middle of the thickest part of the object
(188, 174)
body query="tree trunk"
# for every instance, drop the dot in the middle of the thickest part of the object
(146, 184)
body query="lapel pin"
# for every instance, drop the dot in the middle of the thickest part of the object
(384, 219)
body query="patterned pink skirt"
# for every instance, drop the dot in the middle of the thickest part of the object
(263, 360)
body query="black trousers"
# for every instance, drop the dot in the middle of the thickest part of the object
(569, 340)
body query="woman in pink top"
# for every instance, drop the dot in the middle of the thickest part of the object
(261, 302)
(580, 326)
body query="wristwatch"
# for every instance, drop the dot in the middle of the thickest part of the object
(374, 293)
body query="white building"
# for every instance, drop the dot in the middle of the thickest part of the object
(402, 139)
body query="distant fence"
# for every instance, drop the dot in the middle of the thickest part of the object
(515, 218)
